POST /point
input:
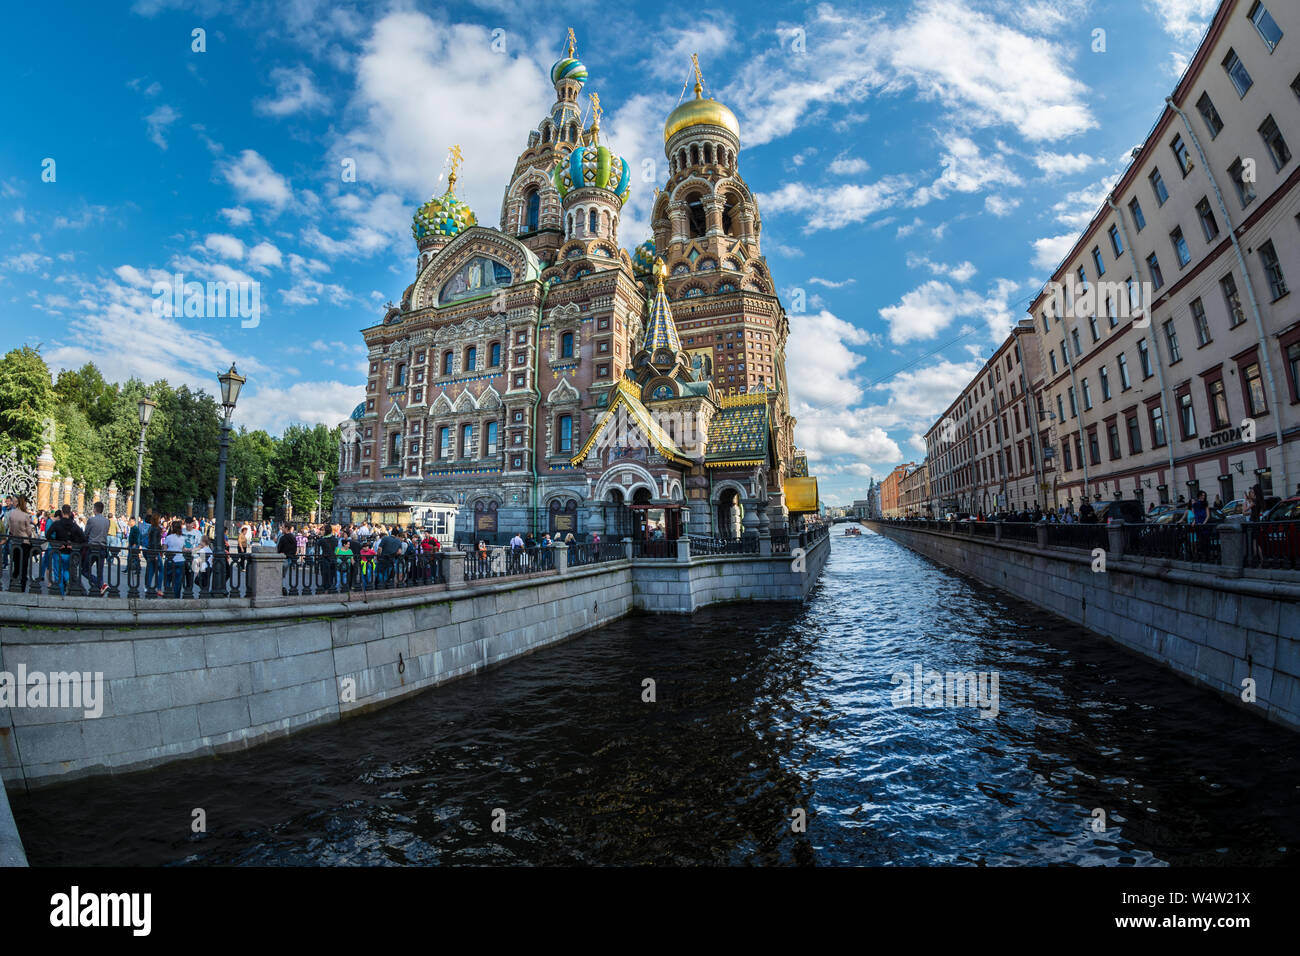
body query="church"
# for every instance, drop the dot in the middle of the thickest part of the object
(537, 377)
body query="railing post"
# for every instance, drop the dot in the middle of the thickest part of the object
(1115, 535)
(1232, 548)
(263, 573)
(997, 531)
(453, 567)
(683, 549)
(1042, 534)
(627, 548)
(561, 552)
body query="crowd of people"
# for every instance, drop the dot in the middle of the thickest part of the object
(173, 553)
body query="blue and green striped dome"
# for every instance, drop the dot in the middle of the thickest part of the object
(443, 216)
(593, 166)
(643, 259)
(568, 69)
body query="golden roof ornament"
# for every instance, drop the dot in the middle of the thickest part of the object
(660, 272)
(700, 111)
(457, 157)
(573, 42)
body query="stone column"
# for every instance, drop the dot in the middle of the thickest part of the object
(79, 497)
(212, 507)
(65, 491)
(561, 557)
(683, 549)
(1232, 548)
(44, 481)
(453, 567)
(111, 504)
(263, 572)
(1115, 540)
(627, 548)
(749, 521)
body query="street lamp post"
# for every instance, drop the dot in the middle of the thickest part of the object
(145, 408)
(320, 492)
(234, 513)
(231, 383)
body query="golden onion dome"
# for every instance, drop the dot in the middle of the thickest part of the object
(700, 111)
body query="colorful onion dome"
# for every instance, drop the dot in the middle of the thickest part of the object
(443, 216)
(358, 412)
(568, 68)
(643, 259)
(593, 165)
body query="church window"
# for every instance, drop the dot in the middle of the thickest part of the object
(471, 358)
(444, 442)
(566, 345)
(566, 432)
(573, 132)
(696, 217)
(533, 205)
(447, 366)
(494, 352)
(399, 377)
(467, 441)
(395, 447)
(592, 222)
(491, 438)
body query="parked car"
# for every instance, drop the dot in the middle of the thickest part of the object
(1177, 514)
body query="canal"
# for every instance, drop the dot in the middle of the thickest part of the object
(1094, 756)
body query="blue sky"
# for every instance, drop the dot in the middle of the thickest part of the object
(921, 167)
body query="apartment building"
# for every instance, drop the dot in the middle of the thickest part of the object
(1194, 385)
(890, 491)
(914, 492)
(984, 453)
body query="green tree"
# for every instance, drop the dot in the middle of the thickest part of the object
(250, 460)
(87, 390)
(301, 451)
(26, 402)
(76, 447)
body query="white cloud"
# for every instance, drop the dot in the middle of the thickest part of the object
(931, 307)
(295, 92)
(1063, 164)
(1000, 205)
(263, 256)
(237, 216)
(158, 121)
(253, 179)
(24, 262)
(838, 206)
(845, 166)
(1077, 208)
(962, 272)
(309, 403)
(1050, 250)
(965, 170)
(831, 284)
(227, 247)
(1184, 20)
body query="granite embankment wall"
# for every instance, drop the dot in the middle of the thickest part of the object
(1211, 628)
(186, 678)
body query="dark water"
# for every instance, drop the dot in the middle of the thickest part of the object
(760, 711)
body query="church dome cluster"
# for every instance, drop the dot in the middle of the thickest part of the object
(593, 165)
(442, 217)
(568, 68)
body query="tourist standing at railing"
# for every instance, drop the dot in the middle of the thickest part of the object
(327, 543)
(193, 541)
(174, 545)
(203, 563)
(96, 531)
(21, 529)
(1087, 515)
(367, 555)
(63, 535)
(286, 547)
(343, 563)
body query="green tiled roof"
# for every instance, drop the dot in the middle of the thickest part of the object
(739, 434)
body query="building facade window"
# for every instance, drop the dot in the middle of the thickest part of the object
(1158, 187)
(1115, 244)
(1171, 340)
(467, 441)
(1153, 267)
(1268, 29)
(494, 355)
(1205, 106)
(491, 436)
(1272, 270)
(1104, 377)
(1252, 383)
(1209, 225)
(471, 358)
(1186, 416)
(1274, 143)
(1236, 71)
(448, 366)
(1124, 382)
(1181, 252)
(1181, 155)
(1201, 323)
(1218, 400)
(1135, 210)
(1134, 435)
(1232, 298)
(1144, 356)
(566, 345)
(1112, 440)
(1097, 261)
(565, 430)
(1157, 426)
(1245, 188)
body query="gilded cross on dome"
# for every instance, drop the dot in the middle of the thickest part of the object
(572, 42)
(457, 157)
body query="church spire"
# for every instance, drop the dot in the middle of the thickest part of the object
(661, 330)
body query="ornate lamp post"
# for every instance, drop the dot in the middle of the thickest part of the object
(320, 492)
(234, 513)
(145, 407)
(231, 383)
(288, 505)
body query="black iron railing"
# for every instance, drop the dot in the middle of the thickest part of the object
(1178, 542)
(1085, 536)
(704, 544)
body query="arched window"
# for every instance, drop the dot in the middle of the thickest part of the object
(494, 354)
(708, 152)
(395, 448)
(696, 218)
(565, 429)
(573, 132)
(399, 377)
(695, 155)
(447, 366)
(533, 205)
(566, 345)
(730, 216)
(471, 358)
(546, 134)
(467, 441)
(682, 157)
(592, 222)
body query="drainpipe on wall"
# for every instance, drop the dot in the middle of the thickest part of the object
(532, 424)
(1250, 290)
(1151, 327)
